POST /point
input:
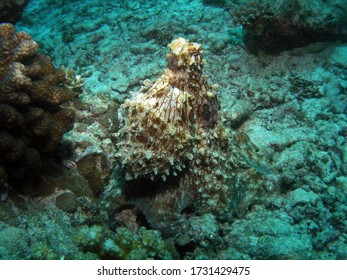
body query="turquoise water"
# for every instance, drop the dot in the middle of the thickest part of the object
(261, 173)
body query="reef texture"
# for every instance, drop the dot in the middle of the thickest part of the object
(32, 120)
(173, 135)
(101, 243)
(278, 26)
(11, 10)
(217, 3)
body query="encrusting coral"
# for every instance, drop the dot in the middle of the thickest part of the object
(173, 146)
(32, 120)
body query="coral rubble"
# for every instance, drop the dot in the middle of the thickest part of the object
(173, 146)
(32, 120)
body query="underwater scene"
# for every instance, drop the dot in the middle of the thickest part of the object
(189, 130)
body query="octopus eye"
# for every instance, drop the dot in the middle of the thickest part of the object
(195, 58)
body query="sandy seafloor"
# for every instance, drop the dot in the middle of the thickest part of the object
(293, 108)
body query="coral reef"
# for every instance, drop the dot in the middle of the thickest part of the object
(123, 244)
(290, 108)
(275, 235)
(274, 27)
(11, 10)
(95, 121)
(201, 236)
(32, 117)
(172, 132)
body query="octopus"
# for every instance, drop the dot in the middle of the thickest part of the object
(172, 145)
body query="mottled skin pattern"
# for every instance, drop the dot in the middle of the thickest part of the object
(173, 146)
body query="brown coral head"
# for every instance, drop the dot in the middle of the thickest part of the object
(184, 54)
(32, 120)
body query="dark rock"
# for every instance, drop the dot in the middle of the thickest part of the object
(7, 215)
(11, 10)
(67, 202)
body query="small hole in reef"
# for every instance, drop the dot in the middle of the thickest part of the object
(188, 211)
(186, 248)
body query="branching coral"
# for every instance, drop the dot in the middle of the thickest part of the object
(32, 120)
(172, 134)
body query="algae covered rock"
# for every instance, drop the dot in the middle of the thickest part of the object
(266, 235)
(66, 202)
(274, 26)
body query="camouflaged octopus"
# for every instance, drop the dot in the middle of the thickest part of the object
(172, 144)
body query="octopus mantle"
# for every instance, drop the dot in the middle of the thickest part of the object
(172, 144)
